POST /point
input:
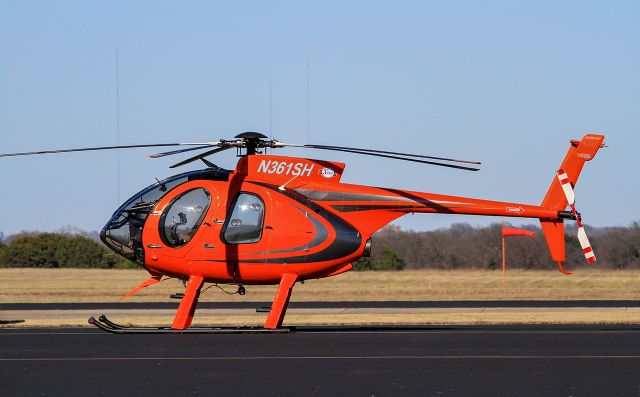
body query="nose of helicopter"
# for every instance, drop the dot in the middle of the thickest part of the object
(123, 232)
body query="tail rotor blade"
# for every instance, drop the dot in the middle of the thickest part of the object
(571, 200)
(566, 187)
(586, 245)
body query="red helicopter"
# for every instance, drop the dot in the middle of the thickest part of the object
(280, 220)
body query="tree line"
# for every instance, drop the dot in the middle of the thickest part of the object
(52, 250)
(461, 246)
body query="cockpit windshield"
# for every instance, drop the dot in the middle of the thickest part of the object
(123, 232)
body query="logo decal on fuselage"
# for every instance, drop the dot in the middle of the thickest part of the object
(327, 173)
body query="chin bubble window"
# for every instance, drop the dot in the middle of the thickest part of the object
(244, 226)
(182, 217)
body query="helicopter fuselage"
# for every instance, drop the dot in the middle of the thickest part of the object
(273, 215)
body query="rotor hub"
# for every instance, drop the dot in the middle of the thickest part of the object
(251, 140)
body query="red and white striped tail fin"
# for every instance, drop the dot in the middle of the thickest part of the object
(579, 153)
(586, 245)
(566, 186)
(560, 195)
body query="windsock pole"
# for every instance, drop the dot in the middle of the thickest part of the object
(507, 232)
(504, 262)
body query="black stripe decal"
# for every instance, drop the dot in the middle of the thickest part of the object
(319, 236)
(367, 207)
(320, 195)
(347, 242)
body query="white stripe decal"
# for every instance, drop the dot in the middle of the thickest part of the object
(584, 243)
(566, 187)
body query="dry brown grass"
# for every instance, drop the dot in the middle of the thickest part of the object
(82, 285)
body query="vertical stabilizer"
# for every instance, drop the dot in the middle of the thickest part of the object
(579, 153)
(560, 195)
(554, 236)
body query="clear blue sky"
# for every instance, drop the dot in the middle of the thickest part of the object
(503, 82)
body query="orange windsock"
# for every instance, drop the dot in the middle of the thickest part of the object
(512, 231)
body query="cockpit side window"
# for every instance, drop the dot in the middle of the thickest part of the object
(244, 225)
(182, 217)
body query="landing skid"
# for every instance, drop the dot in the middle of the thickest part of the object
(109, 326)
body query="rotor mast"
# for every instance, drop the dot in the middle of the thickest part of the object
(251, 139)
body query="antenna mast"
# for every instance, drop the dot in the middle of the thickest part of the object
(117, 126)
(308, 102)
(270, 113)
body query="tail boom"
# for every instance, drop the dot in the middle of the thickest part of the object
(370, 208)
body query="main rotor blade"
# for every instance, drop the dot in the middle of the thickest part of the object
(87, 149)
(201, 155)
(394, 157)
(163, 154)
(394, 153)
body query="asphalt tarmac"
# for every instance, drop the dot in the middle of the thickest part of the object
(360, 361)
